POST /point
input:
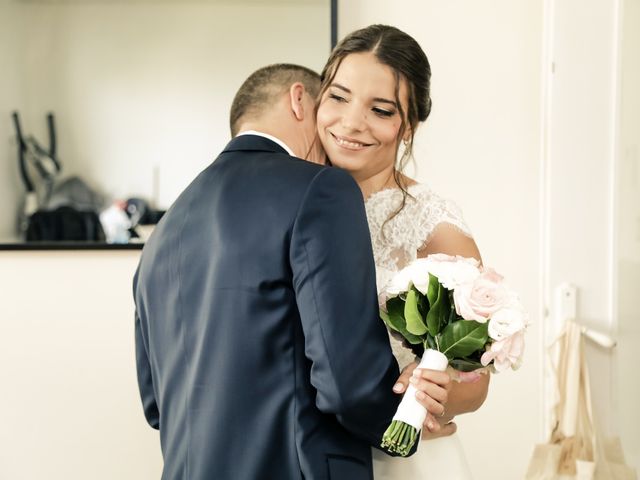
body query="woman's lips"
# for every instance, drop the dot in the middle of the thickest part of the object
(349, 143)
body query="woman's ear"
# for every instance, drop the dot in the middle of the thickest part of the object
(296, 97)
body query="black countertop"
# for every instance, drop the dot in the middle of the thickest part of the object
(15, 246)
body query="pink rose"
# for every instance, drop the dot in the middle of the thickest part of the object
(481, 299)
(505, 353)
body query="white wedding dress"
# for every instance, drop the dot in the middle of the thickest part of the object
(393, 248)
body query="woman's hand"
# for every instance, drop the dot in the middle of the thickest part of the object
(433, 392)
(464, 392)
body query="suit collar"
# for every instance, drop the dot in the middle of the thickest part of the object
(254, 143)
(270, 137)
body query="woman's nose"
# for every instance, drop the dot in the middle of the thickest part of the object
(353, 118)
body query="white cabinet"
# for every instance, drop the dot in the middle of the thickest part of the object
(69, 402)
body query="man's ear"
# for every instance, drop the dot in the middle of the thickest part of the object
(296, 97)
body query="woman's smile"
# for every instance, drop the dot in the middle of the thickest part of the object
(349, 143)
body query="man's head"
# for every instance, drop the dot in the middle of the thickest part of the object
(279, 100)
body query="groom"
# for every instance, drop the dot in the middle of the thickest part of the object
(260, 352)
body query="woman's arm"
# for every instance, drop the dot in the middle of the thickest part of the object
(450, 240)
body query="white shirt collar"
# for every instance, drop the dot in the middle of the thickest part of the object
(270, 137)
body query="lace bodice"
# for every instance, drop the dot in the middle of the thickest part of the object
(404, 235)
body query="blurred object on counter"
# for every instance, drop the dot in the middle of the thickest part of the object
(54, 210)
(137, 209)
(143, 218)
(74, 192)
(64, 224)
(116, 223)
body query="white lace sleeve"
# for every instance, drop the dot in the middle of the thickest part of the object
(436, 211)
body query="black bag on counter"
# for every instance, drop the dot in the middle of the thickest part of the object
(65, 224)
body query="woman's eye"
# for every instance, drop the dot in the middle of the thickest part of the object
(382, 112)
(337, 98)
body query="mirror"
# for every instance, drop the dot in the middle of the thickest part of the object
(141, 90)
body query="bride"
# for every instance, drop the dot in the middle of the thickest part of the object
(375, 92)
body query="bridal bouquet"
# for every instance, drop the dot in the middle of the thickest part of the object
(462, 314)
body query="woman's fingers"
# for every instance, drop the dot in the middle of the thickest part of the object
(444, 431)
(441, 378)
(403, 380)
(433, 389)
(431, 423)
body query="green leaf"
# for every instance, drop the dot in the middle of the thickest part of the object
(394, 316)
(431, 343)
(432, 289)
(465, 364)
(394, 319)
(412, 339)
(439, 311)
(423, 305)
(415, 323)
(462, 338)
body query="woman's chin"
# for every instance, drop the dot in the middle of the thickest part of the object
(354, 170)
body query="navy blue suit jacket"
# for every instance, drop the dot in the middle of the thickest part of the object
(260, 352)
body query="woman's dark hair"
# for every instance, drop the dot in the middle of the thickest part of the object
(396, 49)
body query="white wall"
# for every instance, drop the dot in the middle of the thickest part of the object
(481, 147)
(143, 85)
(10, 99)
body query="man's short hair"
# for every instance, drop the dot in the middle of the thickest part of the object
(263, 88)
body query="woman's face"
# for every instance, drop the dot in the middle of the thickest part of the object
(358, 118)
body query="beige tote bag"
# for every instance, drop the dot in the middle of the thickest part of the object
(575, 450)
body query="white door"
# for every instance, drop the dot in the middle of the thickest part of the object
(627, 232)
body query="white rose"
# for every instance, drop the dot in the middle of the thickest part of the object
(400, 282)
(419, 271)
(453, 273)
(506, 322)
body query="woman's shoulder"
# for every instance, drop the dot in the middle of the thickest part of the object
(432, 210)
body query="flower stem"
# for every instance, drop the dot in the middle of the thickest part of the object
(399, 438)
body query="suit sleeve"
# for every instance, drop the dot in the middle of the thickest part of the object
(353, 369)
(143, 367)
